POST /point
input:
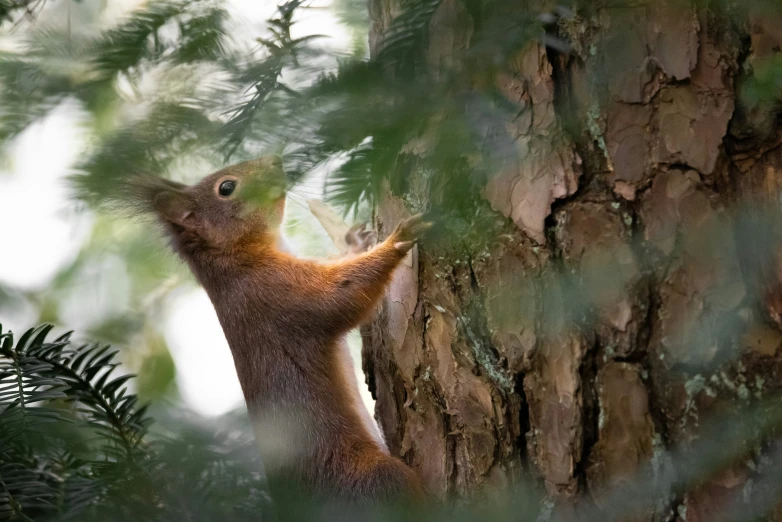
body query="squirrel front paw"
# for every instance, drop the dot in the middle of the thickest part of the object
(408, 231)
(359, 239)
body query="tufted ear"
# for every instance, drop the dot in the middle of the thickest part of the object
(176, 207)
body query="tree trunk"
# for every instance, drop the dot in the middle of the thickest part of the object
(632, 290)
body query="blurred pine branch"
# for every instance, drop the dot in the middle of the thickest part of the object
(168, 81)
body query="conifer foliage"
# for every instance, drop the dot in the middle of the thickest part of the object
(74, 444)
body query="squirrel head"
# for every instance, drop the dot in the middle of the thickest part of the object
(236, 206)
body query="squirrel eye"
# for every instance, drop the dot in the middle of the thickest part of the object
(227, 188)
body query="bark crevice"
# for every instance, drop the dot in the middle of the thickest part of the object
(615, 310)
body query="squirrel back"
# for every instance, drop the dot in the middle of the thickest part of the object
(285, 320)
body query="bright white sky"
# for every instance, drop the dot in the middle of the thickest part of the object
(39, 225)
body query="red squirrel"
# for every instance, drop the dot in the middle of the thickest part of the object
(285, 320)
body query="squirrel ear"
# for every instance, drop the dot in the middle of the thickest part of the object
(175, 207)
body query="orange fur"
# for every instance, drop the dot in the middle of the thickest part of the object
(284, 319)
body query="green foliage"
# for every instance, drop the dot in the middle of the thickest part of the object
(763, 88)
(364, 120)
(407, 33)
(263, 76)
(75, 444)
(10, 9)
(218, 103)
(157, 373)
(135, 41)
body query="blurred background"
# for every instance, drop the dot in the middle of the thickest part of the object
(76, 274)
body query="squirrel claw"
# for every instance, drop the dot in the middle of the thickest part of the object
(408, 231)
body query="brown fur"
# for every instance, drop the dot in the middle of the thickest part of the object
(283, 318)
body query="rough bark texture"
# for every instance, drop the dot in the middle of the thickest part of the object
(636, 159)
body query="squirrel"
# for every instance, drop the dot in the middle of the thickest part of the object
(285, 320)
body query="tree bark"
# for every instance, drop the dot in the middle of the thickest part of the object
(633, 288)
